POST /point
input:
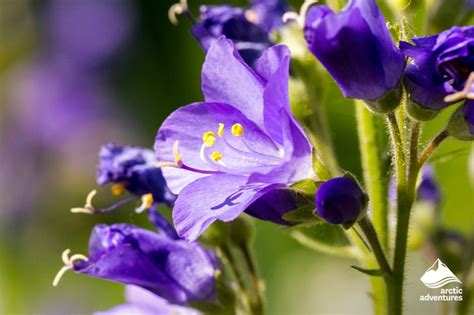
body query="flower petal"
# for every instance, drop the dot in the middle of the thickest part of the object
(216, 197)
(242, 154)
(226, 78)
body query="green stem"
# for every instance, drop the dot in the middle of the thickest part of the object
(341, 251)
(431, 147)
(226, 250)
(399, 154)
(257, 306)
(383, 295)
(369, 232)
(372, 166)
(406, 182)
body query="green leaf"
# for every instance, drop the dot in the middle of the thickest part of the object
(325, 233)
(370, 272)
(304, 214)
(305, 187)
(319, 168)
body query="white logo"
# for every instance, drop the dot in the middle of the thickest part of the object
(438, 275)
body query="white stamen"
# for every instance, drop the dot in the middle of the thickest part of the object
(177, 9)
(88, 207)
(466, 92)
(147, 202)
(301, 16)
(68, 264)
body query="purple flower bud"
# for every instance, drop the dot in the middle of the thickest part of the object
(356, 48)
(441, 65)
(428, 189)
(176, 270)
(136, 169)
(340, 201)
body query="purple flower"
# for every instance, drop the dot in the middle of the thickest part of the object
(174, 269)
(135, 169)
(340, 201)
(249, 38)
(269, 13)
(428, 190)
(142, 302)
(238, 145)
(440, 65)
(86, 31)
(356, 48)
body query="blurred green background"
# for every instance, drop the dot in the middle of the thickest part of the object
(154, 70)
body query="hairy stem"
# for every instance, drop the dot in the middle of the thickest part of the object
(372, 166)
(257, 305)
(383, 296)
(406, 182)
(431, 147)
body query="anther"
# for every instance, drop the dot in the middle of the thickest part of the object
(216, 156)
(117, 189)
(209, 138)
(147, 202)
(251, 16)
(237, 130)
(88, 207)
(220, 129)
(68, 264)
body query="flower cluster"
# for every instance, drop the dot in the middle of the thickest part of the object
(242, 151)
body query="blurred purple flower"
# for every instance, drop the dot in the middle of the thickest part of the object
(248, 29)
(86, 31)
(356, 48)
(441, 65)
(428, 190)
(238, 145)
(174, 269)
(142, 302)
(269, 13)
(135, 169)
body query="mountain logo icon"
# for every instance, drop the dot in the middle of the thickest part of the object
(438, 275)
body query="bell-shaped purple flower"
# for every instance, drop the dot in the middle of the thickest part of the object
(238, 145)
(428, 190)
(249, 38)
(135, 169)
(174, 269)
(441, 65)
(356, 48)
(139, 301)
(340, 201)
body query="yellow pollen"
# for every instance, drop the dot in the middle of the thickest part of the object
(220, 129)
(177, 156)
(209, 138)
(117, 189)
(147, 202)
(216, 156)
(237, 130)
